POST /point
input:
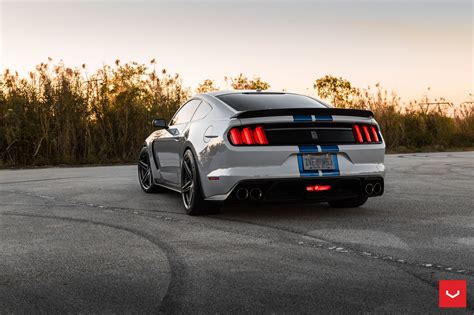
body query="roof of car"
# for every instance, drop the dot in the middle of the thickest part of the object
(262, 92)
(218, 93)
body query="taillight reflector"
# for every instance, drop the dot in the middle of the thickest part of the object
(235, 137)
(260, 137)
(358, 134)
(248, 136)
(366, 133)
(374, 133)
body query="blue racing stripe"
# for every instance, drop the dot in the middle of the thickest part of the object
(329, 148)
(311, 173)
(330, 173)
(301, 169)
(314, 149)
(335, 171)
(300, 118)
(300, 163)
(308, 148)
(336, 164)
(324, 118)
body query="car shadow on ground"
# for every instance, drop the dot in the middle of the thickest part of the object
(292, 210)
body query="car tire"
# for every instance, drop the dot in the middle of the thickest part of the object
(191, 190)
(348, 203)
(145, 175)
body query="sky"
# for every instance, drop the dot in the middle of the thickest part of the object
(405, 45)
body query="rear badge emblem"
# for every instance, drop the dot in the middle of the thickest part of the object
(314, 135)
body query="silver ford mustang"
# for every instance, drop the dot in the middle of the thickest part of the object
(254, 146)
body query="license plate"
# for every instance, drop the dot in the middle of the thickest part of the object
(314, 162)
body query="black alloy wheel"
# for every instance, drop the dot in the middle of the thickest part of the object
(188, 186)
(191, 193)
(145, 175)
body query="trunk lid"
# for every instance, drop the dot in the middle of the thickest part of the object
(303, 126)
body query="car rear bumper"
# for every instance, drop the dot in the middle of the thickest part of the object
(295, 189)
(221, 174)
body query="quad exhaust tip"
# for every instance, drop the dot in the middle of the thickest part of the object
(256, 193)
(369, 189)
(373, 189)
(377, 188)
(242, 194)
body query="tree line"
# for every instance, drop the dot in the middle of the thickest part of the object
(60, 115)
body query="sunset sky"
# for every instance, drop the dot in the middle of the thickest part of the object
(406, 45)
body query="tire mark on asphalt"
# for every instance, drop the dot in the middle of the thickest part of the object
(427, 195)
(342, 248)
(416, 168)
(461, 170)
(440, 155)
(40, 180)
(328, 244)
(170, 302)
(338, 247)
(84, 204)
(402, 265)
(178, 268)
(34, 205)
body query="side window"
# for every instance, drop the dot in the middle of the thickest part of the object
(203, 110)
(185, 113)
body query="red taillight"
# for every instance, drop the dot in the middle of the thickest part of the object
(234, 135)
(248, 136)
(366, 133)
(260, 137)
(374, 133)
(358, 134)
(318, 187)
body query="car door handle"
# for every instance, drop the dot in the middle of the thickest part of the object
(210, 136)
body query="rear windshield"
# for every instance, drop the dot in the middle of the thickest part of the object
(261, 101)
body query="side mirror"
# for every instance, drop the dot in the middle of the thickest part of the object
(159, 123)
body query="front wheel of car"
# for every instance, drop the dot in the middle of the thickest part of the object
(191, 191)
(145, 175)
(348, 203)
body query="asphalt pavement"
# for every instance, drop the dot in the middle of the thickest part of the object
(88, 240)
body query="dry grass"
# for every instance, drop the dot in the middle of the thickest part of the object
(416, 127)
(58, 115)
(65, 116)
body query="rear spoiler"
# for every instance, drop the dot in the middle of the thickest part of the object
(304, 111)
